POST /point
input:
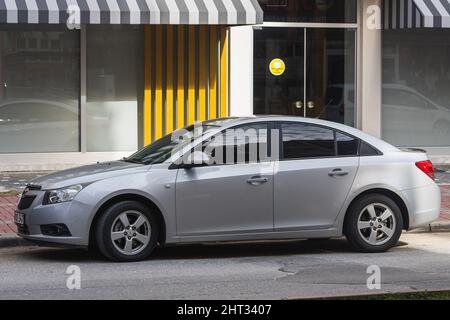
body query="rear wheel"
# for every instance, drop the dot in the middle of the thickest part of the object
(127, 231)
(374, 223)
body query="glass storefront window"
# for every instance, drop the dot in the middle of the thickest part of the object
(39, 89)
(114, 87)
(318, 79)
(279, 94)
(331, 57)
(416, 81)
(317, 11)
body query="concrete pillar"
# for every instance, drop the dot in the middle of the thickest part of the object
(241, 71)
(370, 71)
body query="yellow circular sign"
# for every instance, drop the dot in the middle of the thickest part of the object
(277, 67)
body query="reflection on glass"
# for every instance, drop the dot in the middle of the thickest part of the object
(319, 11)
(114, 87)
(307, 141)
(416, 82)
(330, 73)
(39, 89)
(282, 94)
(346, 145)
(242, 144)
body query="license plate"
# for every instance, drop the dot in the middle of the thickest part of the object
(19, 218)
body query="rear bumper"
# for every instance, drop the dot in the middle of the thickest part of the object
(424, 205)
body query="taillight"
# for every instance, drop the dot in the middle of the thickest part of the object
(427, 167)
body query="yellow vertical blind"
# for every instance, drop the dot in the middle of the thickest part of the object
(223, 72)
(213, 61)
(169, 80)
(186, 77)
(158, 124)
(147, 112)
(202, 84)
(191, 74)
(180, 79)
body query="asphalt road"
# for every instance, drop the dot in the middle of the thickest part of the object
(287, 269)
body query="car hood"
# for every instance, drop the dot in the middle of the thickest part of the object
(86, 174)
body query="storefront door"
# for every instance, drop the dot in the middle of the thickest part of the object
(308, 72)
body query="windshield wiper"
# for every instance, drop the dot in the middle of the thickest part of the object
(131, 160)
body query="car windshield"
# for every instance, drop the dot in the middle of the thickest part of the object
(162, 149)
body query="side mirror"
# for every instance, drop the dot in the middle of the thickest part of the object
(196, 159)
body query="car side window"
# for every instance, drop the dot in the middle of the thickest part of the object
(306, 141)
(241, 144)
(346, 145)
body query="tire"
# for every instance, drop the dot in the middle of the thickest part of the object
(129, 244)
(362, 235)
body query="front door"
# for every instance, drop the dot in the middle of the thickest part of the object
(307, 72)
(235, 197)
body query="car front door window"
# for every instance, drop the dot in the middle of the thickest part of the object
(238, 145)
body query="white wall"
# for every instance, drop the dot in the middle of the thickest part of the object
(241, 71)
(370, 70)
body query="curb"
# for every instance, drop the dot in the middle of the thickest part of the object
(438, 226)
(12, 240)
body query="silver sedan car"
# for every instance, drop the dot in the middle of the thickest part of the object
(253, 178)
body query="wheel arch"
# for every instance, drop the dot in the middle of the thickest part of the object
(389, 193)
(129, 197)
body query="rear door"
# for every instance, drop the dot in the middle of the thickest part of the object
(314, 176)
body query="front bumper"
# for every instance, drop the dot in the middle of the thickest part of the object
(68, 213)
(424, 205)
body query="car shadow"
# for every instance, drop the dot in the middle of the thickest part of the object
(209, 250)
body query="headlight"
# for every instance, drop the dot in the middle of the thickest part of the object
(62, 195)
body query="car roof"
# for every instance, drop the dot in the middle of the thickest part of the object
(224, 123)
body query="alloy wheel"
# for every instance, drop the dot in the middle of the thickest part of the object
(130, 232)
(376, 224)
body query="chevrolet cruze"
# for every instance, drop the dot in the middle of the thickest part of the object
(253, 178)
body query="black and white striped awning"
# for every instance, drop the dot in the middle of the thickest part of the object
(224, 12)
(409, 14)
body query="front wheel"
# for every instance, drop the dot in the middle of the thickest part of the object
(374, 223)
(127, 231)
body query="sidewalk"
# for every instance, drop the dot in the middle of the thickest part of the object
(7, 206)
(8, 203)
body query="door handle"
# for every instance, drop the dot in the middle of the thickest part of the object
(338, 173)
(256, 181)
